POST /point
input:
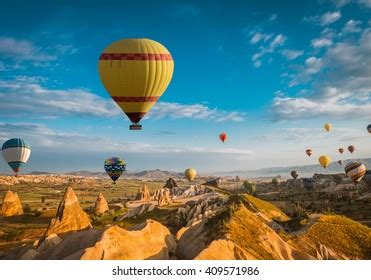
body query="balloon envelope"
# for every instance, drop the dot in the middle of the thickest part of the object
(328, 126)
(294, 174)
(275, 181)
(223, 137)
(341, 150)
(16, 153)
(309, 152)
(190, 174)
(114, 167)
(369, 128)
(351, 149)
(324, 161)
(340, 162)
(249, 187)
(355, 170)
(135, 72)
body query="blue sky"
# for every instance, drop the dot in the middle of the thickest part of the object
(268, 73)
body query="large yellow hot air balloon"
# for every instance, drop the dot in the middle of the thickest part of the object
(135, 72)
(190, 174)
(324, 161)
(328, 126)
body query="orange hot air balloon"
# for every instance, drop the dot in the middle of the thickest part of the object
(223, 137)
(328, 126)
(351, 149)
(341, 150)
(324, 161)
(135, 72)
(309, 152)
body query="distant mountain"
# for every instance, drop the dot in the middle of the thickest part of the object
(146, 174)
(39, 173)
(303, 170)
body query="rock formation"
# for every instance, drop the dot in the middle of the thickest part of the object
(143, 194)
(69, 217)
(147, 241)
(136, 211)
(164, 197)
(11, 205)
(213, 182)
(100, 206)
(171, 184)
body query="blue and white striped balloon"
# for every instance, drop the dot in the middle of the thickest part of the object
(16, 153)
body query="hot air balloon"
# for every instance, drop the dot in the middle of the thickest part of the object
(328, 126)
(309, 152)
(114, 167)
(294, 174)
(309, 183)
(341, 150)
(223, 137)
(367, 178)
(324, 161)
(190, 174)
(275, 181)
(340, 162)
(355, 170)
(135, 72)
(351, 149)
(249, 187)
(16, 153)
(369, 128)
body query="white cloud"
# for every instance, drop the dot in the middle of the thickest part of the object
(23, 50)
(342, 88)
(340, 3)
(292, 54)
(273, 17)
(352, 26)
(193, 111)
(41, 136)
(257, 37)
(274, 43)
(325, 19)
(321, 42)
(26, 97)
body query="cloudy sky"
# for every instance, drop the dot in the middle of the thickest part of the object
(268, 73)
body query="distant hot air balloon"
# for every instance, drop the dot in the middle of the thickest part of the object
(114, 167)
(309, 152)
(367, 178)
(328, 126)
(249, 187)
(341, 150)
(351, 148)
(309, 183)
(294, 174)
(275, 181)
(190, 174)
(324, 161)
(16, 153)
(223, 137)
(355, 170)
(369, 128)
(340, 162)
(135, 72)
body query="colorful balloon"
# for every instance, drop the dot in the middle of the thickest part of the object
(16, 153)
(190, 174)
(309, 152)
(340, 162)
(223, 137)
(328, 126)
(294, 174)
(249, 187)
(351, 149)
(341, 150)
(135, 72)
(369, 128)
(324, 161)
(114, 168)
(355, 170)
